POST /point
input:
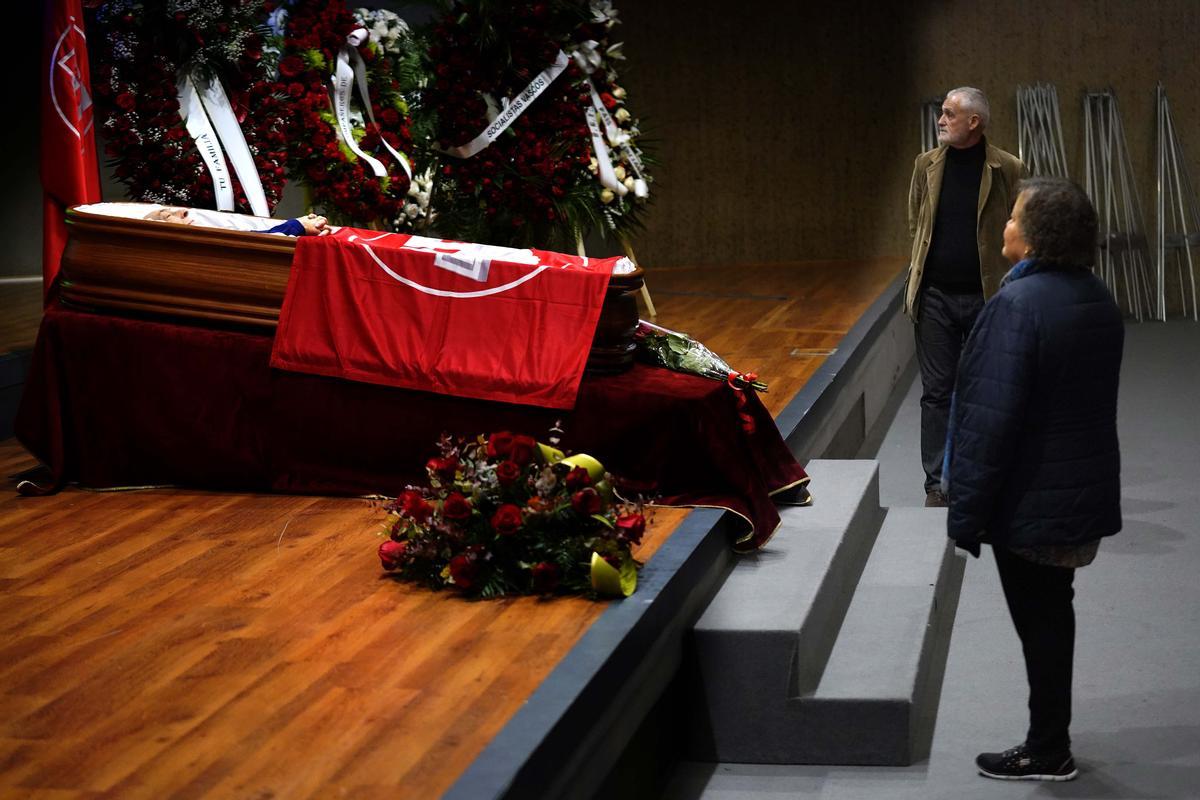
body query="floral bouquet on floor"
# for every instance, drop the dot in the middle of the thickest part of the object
(506, 515)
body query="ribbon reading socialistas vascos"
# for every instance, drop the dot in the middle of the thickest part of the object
(604, 131)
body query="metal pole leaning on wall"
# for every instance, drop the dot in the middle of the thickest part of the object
(1178, 228)
(1039, 130)
(930, 111)
(1122, 258)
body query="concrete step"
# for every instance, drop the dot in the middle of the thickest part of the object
(877, 700)
(768, 632)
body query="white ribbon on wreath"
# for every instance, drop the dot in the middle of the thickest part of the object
(588, 58)
(208, 116)
(608, 178)
(350, 69)
(512, 110)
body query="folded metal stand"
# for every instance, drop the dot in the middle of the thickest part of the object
(930, 111)
(1122, 258)
(1039, 130)
(1178, 229)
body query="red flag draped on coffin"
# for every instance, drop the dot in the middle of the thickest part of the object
(467, 320)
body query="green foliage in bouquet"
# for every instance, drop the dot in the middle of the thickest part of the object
(680, 352)
(506, 515)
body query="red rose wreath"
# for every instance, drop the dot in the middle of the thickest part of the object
(537, 182)
(343, 185)
(140, 53)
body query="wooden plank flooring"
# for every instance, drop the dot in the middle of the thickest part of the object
(194, 644)
(20, 312)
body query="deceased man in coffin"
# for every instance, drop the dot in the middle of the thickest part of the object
(307, 225)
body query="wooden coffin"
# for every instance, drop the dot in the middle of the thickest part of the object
(118, 262)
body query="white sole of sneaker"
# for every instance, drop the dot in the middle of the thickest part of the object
(1070, 776)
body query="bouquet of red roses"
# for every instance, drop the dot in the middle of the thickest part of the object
(506, 515)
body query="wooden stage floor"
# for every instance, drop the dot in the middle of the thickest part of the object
(187, 643)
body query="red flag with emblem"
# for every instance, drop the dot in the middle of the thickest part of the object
(69, 170)
(491, 323)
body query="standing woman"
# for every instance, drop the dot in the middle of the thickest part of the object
(1032, 462)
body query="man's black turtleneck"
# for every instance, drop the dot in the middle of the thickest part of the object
(952, 264)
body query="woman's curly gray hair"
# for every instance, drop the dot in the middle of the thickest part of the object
(1058, 221)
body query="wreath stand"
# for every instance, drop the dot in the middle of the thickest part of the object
(627, 246)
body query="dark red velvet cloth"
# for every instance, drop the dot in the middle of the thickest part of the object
(111, 401)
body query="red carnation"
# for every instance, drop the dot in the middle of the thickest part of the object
(507, 519)
(630, 527)
(463, 571)
(507, 472)
(545, 577)
(456, 507)
(608, 100)
(499, 444)
(295, 89)
(126, 101)
(586, 501)
(291, 66)
(391, 554)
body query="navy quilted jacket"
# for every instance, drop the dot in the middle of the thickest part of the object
(1033, 455)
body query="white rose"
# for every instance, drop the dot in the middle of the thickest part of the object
(629, 183)
(593, 166)
(606, 196)
(621, 116)
(619, 171)
(619, 93)
(411, 211)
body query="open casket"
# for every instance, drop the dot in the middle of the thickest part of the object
(116, 260)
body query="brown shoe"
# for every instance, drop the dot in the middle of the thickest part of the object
(936, 498)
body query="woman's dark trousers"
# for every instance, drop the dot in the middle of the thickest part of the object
(1040, 602)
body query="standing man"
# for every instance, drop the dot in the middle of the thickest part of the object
(958, 202)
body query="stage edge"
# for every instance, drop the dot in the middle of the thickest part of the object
(566, 738)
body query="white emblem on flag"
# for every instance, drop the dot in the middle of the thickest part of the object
(64, 68)
(472, 261)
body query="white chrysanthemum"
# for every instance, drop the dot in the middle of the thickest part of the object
(386, 28)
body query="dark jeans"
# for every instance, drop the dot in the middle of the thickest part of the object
(943, 322)
(1040, 603)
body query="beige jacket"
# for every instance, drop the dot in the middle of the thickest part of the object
(997, 193)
